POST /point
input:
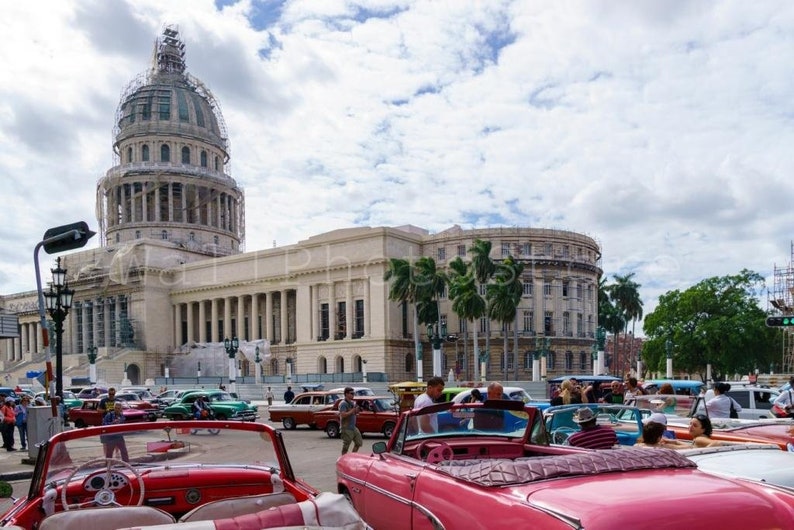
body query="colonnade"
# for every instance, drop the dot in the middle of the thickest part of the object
(29, 341)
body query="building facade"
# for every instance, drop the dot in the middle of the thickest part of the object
(171, 271)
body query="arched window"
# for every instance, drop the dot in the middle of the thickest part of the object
(145, 153)
(409, 362)
(215, 240)
(129, 154)
(137, 234)
(191, 236)
(217, 164)
(165, 153)
(551, 360)
(569, 360)
(164, 234)
(186, 155)
(582, 361)
(203, 159)
(118, 237)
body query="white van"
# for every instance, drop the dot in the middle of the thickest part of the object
(756, 401)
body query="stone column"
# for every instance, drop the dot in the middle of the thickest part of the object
(284, 316)
(84, 327)
(202, 332)
(368, 308)
(332, 311)
(144, 202)
(269, 316)
(227, 318)
(253, 319)
(157, 203)
(191, 335)
(240, 318)
(170, 202)
(315, 312)
(106, 319)
(178, 341)
(214, 323)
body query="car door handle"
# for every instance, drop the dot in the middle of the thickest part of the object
(411, 476)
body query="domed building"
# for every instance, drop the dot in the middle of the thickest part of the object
(171, 282)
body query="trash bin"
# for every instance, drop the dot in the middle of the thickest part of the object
(41, 427)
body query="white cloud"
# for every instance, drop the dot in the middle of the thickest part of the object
(661, 129)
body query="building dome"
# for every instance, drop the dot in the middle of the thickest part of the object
(170, 181)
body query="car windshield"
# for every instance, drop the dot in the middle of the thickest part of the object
(383, 404)
(625, 421)
(149, 449)
(222, 396)
(475, 419)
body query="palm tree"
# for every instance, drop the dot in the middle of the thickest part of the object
(466, 300)
(625, 294)
(430, 284)
(484, 269)
(403, 290)
(503, 297)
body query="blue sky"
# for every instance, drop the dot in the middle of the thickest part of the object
(661, 129)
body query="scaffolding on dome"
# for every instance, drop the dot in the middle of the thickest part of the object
(781, 300)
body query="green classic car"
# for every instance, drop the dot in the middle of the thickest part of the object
(223, 405)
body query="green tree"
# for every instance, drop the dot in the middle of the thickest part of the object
(609, 318)
(403, 289)
(484, 269)
(625, 293)
(718, 321)
(503, 296)
(466, 301)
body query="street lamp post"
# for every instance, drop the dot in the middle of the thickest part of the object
(59, 301)
(231, 350)
(198, 371)
(288, 362)
(601, 338)
(364, 370)
(92, 365)
(594, 357)
(436, 336)
(668, 348)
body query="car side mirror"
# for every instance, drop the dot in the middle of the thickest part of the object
(379, 447)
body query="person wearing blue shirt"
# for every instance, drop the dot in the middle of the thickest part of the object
(113, 442)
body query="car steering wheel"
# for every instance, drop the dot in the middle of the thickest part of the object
(105, 495)
(442, 451)
(560, 435)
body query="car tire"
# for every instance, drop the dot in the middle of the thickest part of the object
(288, 423)
(152, 417)
(220, 417)
(332, 430)
(80, 423)
(388, 429)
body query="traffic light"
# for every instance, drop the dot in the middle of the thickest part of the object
(67, 237)
(780, 322)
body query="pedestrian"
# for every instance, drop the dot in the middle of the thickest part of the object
(592, 435)
(107, 403)
(9, 422)
(429, 422)
(269, 396)
(21, 413)
(115, 442)
(289, 395)
(722, 405)
(348, 410)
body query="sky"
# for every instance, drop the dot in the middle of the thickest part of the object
(661, 129)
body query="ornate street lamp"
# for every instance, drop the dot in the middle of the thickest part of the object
(289, 362)
(231, 350)
(92, 352)
(257, 366)
(436, 336)
(58, 302)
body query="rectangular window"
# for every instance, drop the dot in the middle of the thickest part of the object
(443, 294)
(529, 317)
(579, 325)
(527, 287)
(359, 329)
(505, 249)
(566, 251)
(324, 322)
(181, 102)
(579, 290)
(199, 113)
(549, 249)
(483, 324)
(442, 254)
(146, 110)
(526, 249)
(462, 251)
(566, 324)
(548, 323)
(565, 288)
(569, 360)
(547, 287)
(341, 320)
(582, 361)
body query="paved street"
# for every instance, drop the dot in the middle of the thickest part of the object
(312, 453)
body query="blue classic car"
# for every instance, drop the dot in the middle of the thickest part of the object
(625, 420)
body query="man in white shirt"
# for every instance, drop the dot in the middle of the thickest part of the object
(786, 399)
(429, 423)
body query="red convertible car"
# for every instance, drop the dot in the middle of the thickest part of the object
(155, 474)
(497, 470)
(90, 414)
